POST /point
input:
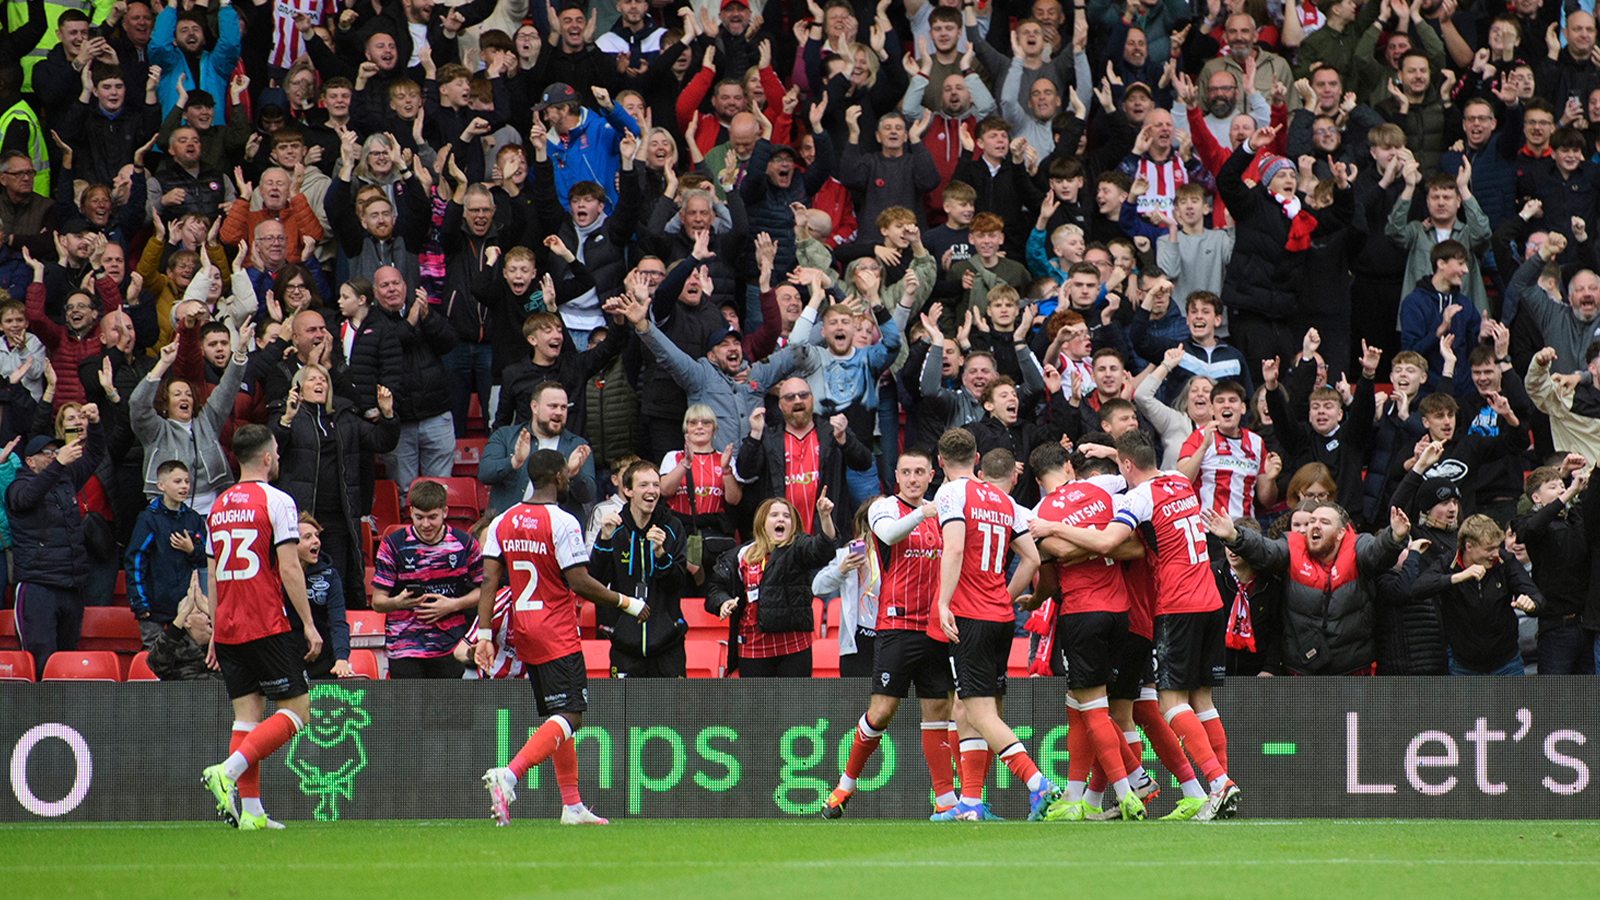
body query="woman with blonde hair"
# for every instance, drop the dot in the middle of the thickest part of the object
(763, 589)
(322, 442)
(856, 575)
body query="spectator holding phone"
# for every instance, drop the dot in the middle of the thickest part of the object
(856, 576)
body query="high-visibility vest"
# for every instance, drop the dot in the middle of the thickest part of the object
(17, 16)
(36, 145)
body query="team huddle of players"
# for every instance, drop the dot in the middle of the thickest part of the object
(1140, 626)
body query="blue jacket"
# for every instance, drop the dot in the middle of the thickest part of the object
(158, 574)
(507, 485)
(1420, 314)
(590, 152)
(216, 64)
(46, 524)
(325, 594)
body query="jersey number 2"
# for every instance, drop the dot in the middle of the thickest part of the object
(226, 571)
(525, 601)
(994, 535)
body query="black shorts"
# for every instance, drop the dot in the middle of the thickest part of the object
(560, 684)
(1091, 642)
(1191, 650)
(273, 666)
(980, 657)
(901, 657)
(1135, 668)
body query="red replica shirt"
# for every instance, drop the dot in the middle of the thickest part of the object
(705, 472)
(537, 543)
(801, 475)
(248, 521)
(1094, 585)
(910, 580)
(757, 644)
(992, 520)
(1182, 568)
(506, 664)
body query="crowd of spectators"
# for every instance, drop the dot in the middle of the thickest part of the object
(729, 259)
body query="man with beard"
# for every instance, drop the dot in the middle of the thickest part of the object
(1330, 586)
(505, 457)
(641, 553)
(1220, 105)
(363, 220)
(178, 46)
(808, 455)
(422, 402)
(1266, 66)
(721, 379)
(771, 190)
(960, 100)
(901, 173)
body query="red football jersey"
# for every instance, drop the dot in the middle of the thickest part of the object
(1094, 585)
(910, 580)
(1182, 567)
(802, 481)
(537, 543)
(706, 474)
(1140, 580)
(247, 523)
(1228, 471)
(992, 519)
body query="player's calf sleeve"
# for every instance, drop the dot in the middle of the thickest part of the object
(565, 760)
(1022, 768)
(1193, 735)
(263, 739)
(541, 744)
(1108, 743)
(1080, 745)
(1212, 721)
(975, 758)
(249, 781)
(862, 746)
(936, 750)
(1148, 716)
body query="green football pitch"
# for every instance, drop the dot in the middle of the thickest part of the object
(642, 860)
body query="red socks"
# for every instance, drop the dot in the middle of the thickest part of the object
(565, 760)
(862, 746)
(1193, 734)
(1108, 743)
(975, 758)
(1148, 716)
(541, 745)
(1080, 746)
(267, 737)
(249, 784)
(936, 750)
(1212, 721)
(1022, 768)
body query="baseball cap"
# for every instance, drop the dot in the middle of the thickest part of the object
(728, 3)
(721, 335)
(1137, 86)
(784, 150)
(557, 93)
(40, 443)
(1437, 490)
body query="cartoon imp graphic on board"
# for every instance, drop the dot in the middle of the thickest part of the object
(327, 763)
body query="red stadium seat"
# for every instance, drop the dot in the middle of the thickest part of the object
(818, 617)
(364, 664)
(111, 628)
(385, 504)
(366, 627)
(8, 631)
(16, 665)
(469, 452)
(391, 529)
(586, 624)
(597, 658)
(139, 669)
(366, 544)
(703, 626)
(835, 607)
(79, 665)
(119, 590)
(704, 659)
(1017, 663)
(475, 419)
(466, 498)
(825, 659)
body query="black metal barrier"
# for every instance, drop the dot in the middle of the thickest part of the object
(1303, 747)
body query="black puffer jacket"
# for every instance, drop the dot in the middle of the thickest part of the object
(375, 359)
(785, 601)
(606, 250)
(424, 389)
(313, 432)
(1328, 616)
(1262, 276)
(1410, 634)
(46, 526)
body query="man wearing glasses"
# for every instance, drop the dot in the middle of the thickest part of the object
(1494, 161)
(803, 458)
(23, 212)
